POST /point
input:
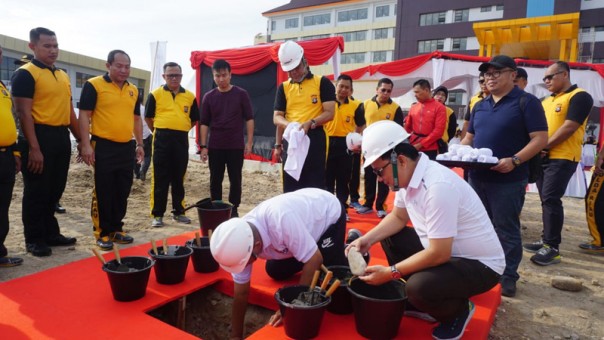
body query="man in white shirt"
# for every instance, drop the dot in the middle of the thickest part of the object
(451, 253)
(296, 231)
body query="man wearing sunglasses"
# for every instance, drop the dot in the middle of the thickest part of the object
(450, 254)
(170, 113)
(566, 110)
(295, 232)
(515, 135)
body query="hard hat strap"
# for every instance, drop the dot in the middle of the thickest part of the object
(393, 161)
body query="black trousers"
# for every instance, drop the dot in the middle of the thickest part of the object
(331, 246)
(170, 161)
(355, 178)
(232, 159)
(594, 208)
(7, 182)
(41, 192)
(313, 171)
(112, 183)
(371, 181)
(442, 291)
(338, 168)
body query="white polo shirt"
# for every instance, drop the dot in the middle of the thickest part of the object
(290, 225)
(442, 205)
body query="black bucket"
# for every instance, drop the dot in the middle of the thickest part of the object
(341, 302)
(212, 213)
(300, 322)
(202, 258)
(130, 285)
(378, 310)
(171, 269)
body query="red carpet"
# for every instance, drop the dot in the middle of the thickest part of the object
(74, 301)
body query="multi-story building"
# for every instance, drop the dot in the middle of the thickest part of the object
(367, 26)
(79, 67)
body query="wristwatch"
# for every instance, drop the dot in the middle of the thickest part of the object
(395, 273)
(203, 146)
(516, 160)
(313, 123)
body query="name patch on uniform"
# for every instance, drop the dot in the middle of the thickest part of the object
(314, 99)
(131, 93)
(186, 109)
(558, 107)
(387, 116)
(347, 119)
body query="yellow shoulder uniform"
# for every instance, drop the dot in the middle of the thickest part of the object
(8, 129)
(343, 120)
(172, 112)
(375, 112)
(52, 97)
(303, 100)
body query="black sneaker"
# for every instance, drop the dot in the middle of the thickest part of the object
(38, 249)
(104, 243)
(60, 240)
(59, 209)
(591, 246)
(453, 330)
(508, 287)
(533, 247)
(121, 237)
(352, 235)
(546, 256)
(234, 212)
(10, 261)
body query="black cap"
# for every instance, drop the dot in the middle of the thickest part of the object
(441, 89)
(499, 62)
(521, 73)
(26, 58)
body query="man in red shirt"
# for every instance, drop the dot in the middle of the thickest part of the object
(426, 120)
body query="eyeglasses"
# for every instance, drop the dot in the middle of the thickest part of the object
(173, 76)
(496, 74)
(551, 76)
(380, 171)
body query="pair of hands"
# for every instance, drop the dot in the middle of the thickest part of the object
(203, 153)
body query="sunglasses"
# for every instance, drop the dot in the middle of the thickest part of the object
(173, 76)
(551, 76)
(380, 171)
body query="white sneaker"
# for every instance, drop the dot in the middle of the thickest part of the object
(181, 219)
(157, 222)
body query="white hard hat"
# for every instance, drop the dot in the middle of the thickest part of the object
(380, 137)
(290, 55)
(353, 140)
(231, 244)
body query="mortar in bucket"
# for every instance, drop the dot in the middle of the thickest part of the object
(202, 258)
(171, 266)
(212, 213)
(341, 302)
(132, 284)
(378, 310)
(300, 322)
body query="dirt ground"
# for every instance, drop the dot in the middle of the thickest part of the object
(538, 311)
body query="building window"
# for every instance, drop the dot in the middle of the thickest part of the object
(382, 11)
(291, 23)
(318, 36)
(585, 29)
(486, 8)
(319, 19)
(355, 36)
(599, 28)
(380, 56)
(455, 98)
(273, 25)
(354, 14)
(429, 19)
(380, 33)
(499, 8)
(353, 58)
(425, 46)
(598, 60)
(81, 78)
(458, 44)
(461, 15)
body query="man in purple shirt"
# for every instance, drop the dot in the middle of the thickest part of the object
(223, 113)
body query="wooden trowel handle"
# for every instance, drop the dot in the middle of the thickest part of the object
(99, 256)
(326, 280)
(315, 279)
(116, 251)
(333, 288)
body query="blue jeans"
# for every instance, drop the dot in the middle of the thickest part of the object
(552, 185)
(503, 202)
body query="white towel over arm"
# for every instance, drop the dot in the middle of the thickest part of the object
(297, 149)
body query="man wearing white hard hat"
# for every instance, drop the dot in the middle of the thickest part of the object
(450, 254)
(307, 101)
(296, 231)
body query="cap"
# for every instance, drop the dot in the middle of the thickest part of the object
(521, 73)
(26, 58)
(499, 62)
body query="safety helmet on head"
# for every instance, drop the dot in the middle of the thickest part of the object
(380, 137)
(231, 244)
(290, 55)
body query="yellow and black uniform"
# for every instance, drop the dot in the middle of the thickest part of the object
(8, 138)
(561, 162)
(112, 126)
(50, 91)
(348, 115)
(374, 112)
(594, 208)
(451, 126)
(475, 99)
(302, 102)
(173, 116)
